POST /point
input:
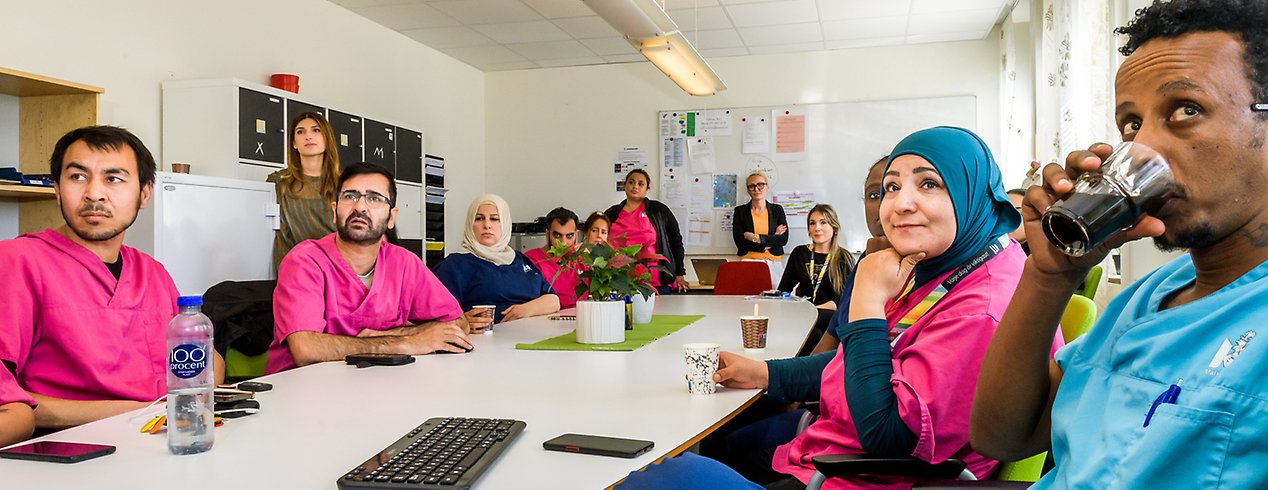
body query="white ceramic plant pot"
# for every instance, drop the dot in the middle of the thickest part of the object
(642, 308)
(600, 322)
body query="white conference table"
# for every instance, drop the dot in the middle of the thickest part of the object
(322, 420)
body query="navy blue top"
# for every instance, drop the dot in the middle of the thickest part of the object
(475, 281)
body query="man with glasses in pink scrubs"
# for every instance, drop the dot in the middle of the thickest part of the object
(83, 318)
(351, 292)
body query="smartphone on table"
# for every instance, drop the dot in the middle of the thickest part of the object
(57, 451)
(600, 445)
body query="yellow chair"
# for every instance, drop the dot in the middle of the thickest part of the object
(1078, 318)
(242, 366)
(1091, 283)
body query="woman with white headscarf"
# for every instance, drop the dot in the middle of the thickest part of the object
(493, 273)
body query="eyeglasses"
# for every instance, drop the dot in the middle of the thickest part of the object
(759, 185)
(372, 199)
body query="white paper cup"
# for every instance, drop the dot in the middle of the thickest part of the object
(702, 362)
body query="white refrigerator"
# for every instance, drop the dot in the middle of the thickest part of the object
(205, 230)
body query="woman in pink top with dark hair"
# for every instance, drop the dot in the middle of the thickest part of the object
(920, 318)
(650, 223)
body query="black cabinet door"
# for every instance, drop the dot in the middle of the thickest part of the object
(294, 107)
(415, 246)
(261, 127)
(380, 145)
(347, 129)
(409, 155)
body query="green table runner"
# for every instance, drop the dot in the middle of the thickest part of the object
(643, 334)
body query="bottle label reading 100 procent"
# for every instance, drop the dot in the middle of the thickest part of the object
(187, 360)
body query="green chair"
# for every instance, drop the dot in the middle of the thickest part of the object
(1080, 314)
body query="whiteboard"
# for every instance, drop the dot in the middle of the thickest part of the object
(838, 141)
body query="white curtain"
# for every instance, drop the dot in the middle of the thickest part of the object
(1058, 63)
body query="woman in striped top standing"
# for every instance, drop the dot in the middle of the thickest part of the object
(306, 187)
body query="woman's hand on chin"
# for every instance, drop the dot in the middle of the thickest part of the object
(882, 274)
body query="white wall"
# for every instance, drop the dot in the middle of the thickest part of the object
(553, 133)
(128, 47)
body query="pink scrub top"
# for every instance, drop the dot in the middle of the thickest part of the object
(638, 229)
(75, 332)
(936, 364)
(317, 291)
(10, 392)
(564, 284)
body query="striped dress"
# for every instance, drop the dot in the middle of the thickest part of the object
(305, 215)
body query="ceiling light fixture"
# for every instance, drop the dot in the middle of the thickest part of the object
(649, 29)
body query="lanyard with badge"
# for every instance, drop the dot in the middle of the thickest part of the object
(817, 277)
(943, 288)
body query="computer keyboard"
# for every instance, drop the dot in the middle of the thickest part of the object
(442, 453)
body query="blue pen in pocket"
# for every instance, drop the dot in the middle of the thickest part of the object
(1169, 396)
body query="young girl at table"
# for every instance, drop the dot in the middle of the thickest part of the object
(921, 315)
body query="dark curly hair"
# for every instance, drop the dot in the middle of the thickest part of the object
(1247, 19)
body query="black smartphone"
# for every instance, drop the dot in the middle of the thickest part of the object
(379, 359)
(56, 451)
(600, 445)
(254, 386)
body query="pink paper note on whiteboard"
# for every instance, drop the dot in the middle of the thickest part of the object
(790, 134)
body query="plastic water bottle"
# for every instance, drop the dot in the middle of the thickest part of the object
(190, 379)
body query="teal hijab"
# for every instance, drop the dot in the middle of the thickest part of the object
(982, 210)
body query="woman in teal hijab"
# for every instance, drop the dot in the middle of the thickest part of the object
(920, 318)
(973, 183)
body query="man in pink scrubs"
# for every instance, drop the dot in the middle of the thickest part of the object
(351, 292)
(83, 318)
(562, 230)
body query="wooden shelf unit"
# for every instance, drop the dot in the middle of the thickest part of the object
(47, 109)
(14, 192)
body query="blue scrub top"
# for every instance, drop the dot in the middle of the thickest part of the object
(1212, 435)
(475, 281)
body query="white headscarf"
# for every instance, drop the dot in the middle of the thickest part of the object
(499, 253)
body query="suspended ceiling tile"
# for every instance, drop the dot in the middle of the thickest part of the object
(608, 46)
(787, 48)
(487, 11)
(862, 9)
(586, 60)
(781, 34)
(551, 50)
(702, 19)
(558, 9)
(774, 13)
(961, 21)
(408, 16)
(449, 37)
(586, 27)
(523, 32)
(483, 55)
(865, 28)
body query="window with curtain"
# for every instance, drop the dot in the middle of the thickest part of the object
(1058, 61)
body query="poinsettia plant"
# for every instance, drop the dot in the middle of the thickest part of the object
(610, 271)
